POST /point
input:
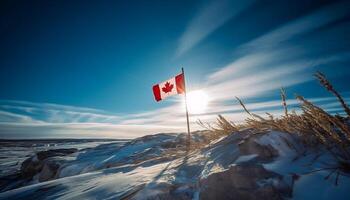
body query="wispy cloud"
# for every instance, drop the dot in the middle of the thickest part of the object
(20, 119)
(14, 117)
(305, 24)
(57, 113)
(266, 63)
(208, 19)
(79, 130)
(258, 79)
(169, 119)
(245, 64)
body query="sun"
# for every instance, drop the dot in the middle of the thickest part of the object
(197, 101)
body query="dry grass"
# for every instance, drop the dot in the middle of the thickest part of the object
(314, 126)
(221, 127)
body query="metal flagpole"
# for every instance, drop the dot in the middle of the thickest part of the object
(188, 124)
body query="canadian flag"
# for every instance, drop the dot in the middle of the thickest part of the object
(175, 85)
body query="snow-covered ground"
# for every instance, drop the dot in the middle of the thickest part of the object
(13, 153)
(243, 165)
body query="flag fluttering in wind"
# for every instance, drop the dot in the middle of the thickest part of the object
(175, 85)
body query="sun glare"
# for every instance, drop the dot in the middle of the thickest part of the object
(197, 101)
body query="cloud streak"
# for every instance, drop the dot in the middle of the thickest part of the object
(160, 120)
(305, 24)
(209, 19)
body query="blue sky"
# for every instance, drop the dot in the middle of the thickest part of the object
(86, 68)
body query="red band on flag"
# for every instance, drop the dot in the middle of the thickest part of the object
(180, 84)
(156, 92)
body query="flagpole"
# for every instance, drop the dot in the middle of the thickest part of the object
(188, 124)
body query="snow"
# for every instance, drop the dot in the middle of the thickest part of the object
(316, 187)
(278, 141)
(13, 153)
(246, 158)
(308, 186)
(101, 184)
(145, 168)
(109, 155)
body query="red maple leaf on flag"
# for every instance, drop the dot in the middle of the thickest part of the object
(167, 87)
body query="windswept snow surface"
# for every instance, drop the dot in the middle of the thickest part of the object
(245, 165)
(309, 185)
(14, 152)
(103, 184)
